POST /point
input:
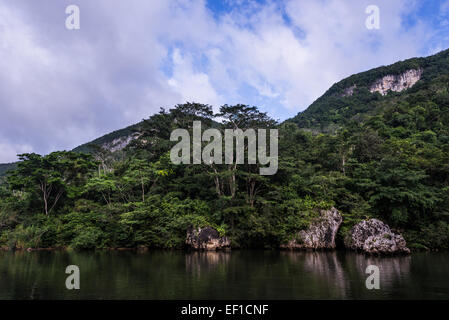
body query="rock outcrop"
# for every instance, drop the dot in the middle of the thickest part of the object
(120, 143)
(206, 238)
(374, 236)
(349, 91)
(321, 233)
(391, 82)
(397, 83)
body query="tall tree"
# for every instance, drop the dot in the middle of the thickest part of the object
(52, 177)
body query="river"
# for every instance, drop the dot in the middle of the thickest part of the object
(222, 275)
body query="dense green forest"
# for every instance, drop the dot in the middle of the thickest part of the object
(385, 157)
(4, 168)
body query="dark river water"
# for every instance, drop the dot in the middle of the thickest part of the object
(214, 275)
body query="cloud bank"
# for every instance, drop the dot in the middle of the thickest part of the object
(60, 88)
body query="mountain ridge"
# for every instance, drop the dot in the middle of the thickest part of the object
(362, 80)
(354, 95)
(351, 98)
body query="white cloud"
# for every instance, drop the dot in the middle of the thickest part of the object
(336, 44)
(10, 150)
(193, 86)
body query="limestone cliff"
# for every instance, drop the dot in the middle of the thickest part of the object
(396, 83)
(119, 143)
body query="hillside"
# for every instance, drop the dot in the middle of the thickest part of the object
(5, 167)
(368, 93)
(382, 153)
(113, 141)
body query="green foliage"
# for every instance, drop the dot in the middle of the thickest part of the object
(88, 238)
(297, 214)
(162, 222)
(57, 176)
(335, 109)
(366, 154)
(4, 169)
(24, 237)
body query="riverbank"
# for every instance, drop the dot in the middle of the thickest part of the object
(370, 236)
(281, 249)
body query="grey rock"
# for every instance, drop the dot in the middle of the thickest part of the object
(206, 238)
(321, 233)
(397, 83)
(349, 91)
(374, 236)
(391, 82)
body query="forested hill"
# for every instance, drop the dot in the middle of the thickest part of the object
(376, 146)
(415, 81)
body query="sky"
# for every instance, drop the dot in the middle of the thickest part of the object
(60, 88)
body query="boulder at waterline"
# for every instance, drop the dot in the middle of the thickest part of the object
(206, 238)
(374, 236)
(321, 233)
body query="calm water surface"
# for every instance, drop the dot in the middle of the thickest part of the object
(212, 275)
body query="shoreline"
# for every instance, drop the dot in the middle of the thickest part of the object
(146, 249)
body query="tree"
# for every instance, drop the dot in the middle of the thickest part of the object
(145, 174)
(52, 177)
(241, 117)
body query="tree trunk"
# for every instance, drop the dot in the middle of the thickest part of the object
(43, 187)
(45, 205)
(143, 190)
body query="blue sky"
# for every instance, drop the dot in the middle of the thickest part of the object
(60, 88)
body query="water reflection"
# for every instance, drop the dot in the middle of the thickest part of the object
(222, 275)
(324, 266)
(206, 262)
(393, 269)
